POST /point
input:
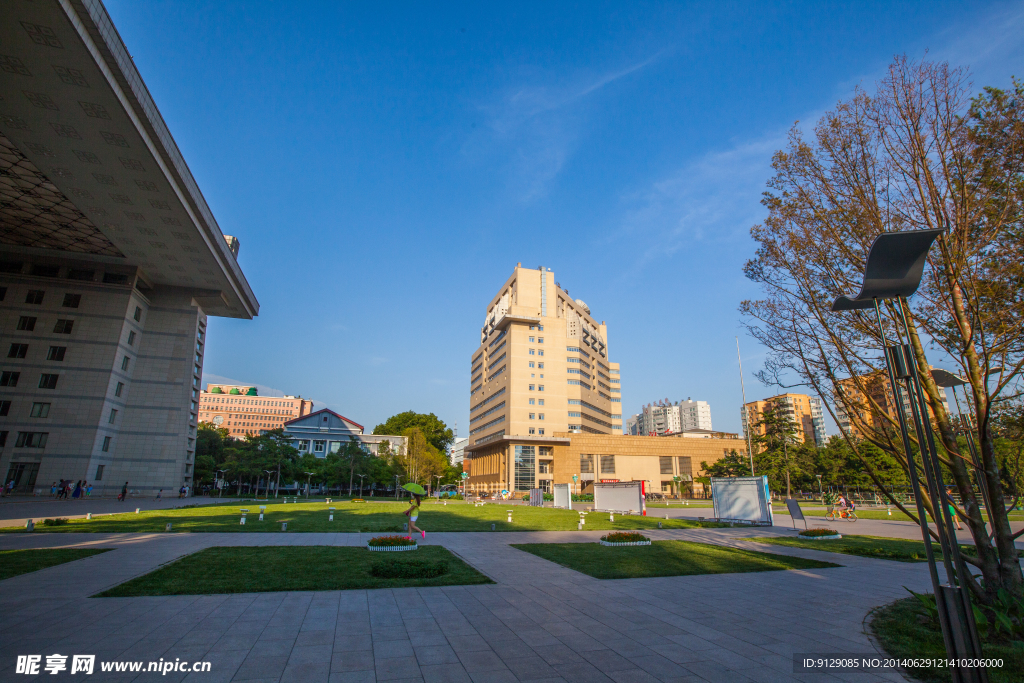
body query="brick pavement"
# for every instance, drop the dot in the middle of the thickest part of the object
(539, 622)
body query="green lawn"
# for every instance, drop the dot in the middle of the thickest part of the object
(663, 558)
(366, 517)
(14, 562)
(899, 628)
(298, 568)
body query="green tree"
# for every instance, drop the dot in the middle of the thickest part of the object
(210, 441)
(732, 465)
(434, 430)
(774, 454)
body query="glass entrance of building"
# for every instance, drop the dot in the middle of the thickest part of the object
(23, 474)
(525, 473)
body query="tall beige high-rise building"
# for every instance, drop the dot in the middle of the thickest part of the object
(542, 366)
(803, 410)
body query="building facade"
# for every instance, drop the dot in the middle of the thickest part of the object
(242, 411)
(518, 464)
(459, 451)
(665, 417)
(855, 410)
(804, 411)
(110, 264)
(325, 432)
(542, 365)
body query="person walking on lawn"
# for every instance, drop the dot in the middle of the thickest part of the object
(413, 513)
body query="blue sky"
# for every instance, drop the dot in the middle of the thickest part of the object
(386, 165)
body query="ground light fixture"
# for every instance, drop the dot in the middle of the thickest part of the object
(893, 271)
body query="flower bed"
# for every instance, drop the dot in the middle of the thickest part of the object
(357, 500)
(391, 544)
(821, 534)
(624, 538)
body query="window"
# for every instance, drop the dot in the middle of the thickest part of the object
(56, 353)
(34, 296)
(131, 338)
(531, 350)
(540, 401)
(5, 407)
(99, 473)
(532, 430)
(540, 366)
(3, 438)
(540, 431)
(531, 387)
(540, 328)
(586, 464)
(40, 410)
(531, 401)
(124, 362)
(72, 300)
(531, 340)
(531, 363)
(540, 416)
(318, 446)
(63, 326)
(573, 414)
(525, 459)
(540, 340)
(531, 416)
(303, 446)
(665, 462)
(9, 379)
(138, 314)
(48, 381)
(45, 271)
(607, 464)
(113, 416)
(79, 274)
(106, 444)
(118, 389)
(26, 323)
(540, 352)
(31, 440)
(18, 351)
(540, 387)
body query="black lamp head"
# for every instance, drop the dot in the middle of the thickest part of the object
(894, 268)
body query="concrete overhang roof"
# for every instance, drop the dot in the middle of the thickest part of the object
(508, 438)
(89, 170)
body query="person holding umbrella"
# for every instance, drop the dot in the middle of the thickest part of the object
(413, 513)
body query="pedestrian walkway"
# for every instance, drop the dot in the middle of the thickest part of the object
(539, 622)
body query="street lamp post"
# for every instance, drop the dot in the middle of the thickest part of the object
(309, 476)
(222, 483)
(821, 491)
(893, 272)
(438, 477)
(361, 477)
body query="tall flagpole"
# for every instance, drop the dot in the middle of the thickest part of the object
(746, 413)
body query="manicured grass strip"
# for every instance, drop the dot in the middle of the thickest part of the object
(663, 558)
(266, 569)
(14, 562)
(899, 629)
(865, 546)
(367, 517)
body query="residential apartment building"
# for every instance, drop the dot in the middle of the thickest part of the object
(242, 411)
(111, 262)
(459, 451)
(665, 417)
(542, 365)
(804, 411)
(856, 411)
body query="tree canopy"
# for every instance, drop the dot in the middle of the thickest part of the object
(433, 428)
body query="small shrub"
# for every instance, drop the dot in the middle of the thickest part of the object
(624, 537)
(812, 533)
(390, 541)
(59, 521)
(393, 568)
(583, 497)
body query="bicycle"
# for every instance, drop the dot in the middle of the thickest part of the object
(844, 513)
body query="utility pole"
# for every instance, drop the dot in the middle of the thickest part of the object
(746, 413)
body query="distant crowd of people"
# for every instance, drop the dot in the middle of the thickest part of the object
(66, 489)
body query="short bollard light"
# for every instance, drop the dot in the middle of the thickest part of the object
(492, 527)
(888, 511)
(137, 510)
(29, 525)
(659, 525)
(263, 508)
(611, 517)
(509, 516)
(168, 527)
(284, 526)
(666, 515)
(405, 526)
(245, 511)
(330, 518)
(88, 515)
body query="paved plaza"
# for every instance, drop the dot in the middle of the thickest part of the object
(538, 622)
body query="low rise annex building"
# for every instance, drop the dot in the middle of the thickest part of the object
(520, 463)
(325, 432)
(111, 262)
(242, 411)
